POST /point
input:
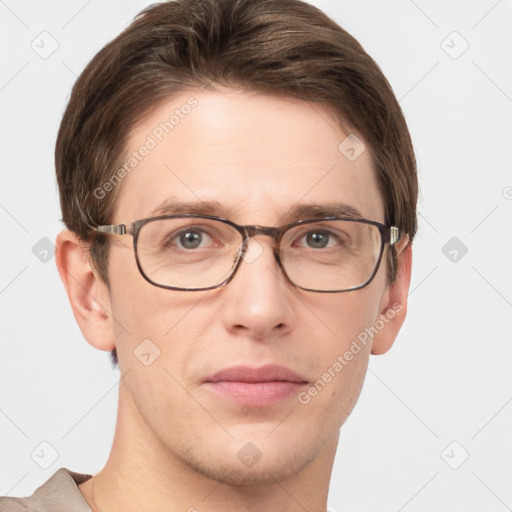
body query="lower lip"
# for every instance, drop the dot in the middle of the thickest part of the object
(256, 394)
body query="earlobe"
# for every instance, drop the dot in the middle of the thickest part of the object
(393, 307)
(87, 293)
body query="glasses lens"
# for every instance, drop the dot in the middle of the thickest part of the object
(331, 255)
(187, 252)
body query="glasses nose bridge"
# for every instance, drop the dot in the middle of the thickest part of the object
(275, 233)
(252, 231)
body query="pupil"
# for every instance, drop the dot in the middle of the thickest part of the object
(190, 240)
(317, 240)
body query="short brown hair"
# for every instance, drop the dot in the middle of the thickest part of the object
(285, 47)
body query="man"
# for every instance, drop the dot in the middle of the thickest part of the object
(239, 192)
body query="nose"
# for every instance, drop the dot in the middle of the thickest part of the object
(257, 302)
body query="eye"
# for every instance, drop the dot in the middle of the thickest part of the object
(189, 239)
(317, 239)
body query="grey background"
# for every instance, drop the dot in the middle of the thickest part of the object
(443, 393)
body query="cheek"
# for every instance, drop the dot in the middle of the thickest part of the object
(341, 358)
(154, 321)
(344, 316)
(155, 333)
(332, 394)
(141, 310)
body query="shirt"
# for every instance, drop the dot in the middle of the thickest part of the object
(59, 493)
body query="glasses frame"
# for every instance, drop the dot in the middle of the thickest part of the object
(389, 235)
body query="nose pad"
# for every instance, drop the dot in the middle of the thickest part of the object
(250, 250)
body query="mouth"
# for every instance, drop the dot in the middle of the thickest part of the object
(256, 387)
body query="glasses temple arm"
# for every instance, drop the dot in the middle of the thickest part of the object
(112, 229)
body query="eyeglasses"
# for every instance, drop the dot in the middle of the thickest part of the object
(197, 252)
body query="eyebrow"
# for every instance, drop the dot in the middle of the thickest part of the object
(296, 212)
(173, 207)
(318, 211)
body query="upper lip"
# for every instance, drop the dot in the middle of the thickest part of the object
(267, 373)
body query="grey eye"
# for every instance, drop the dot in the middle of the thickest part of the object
(191, 239)
(317, 239)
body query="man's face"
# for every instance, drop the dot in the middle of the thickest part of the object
(257, 157)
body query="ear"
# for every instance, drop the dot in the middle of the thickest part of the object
(393, 305)
(88, 294)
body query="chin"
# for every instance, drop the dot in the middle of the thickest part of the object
(262, 473)
(248, 465)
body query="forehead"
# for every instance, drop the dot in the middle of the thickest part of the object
(257, 156)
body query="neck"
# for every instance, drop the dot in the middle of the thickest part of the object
(142, 474)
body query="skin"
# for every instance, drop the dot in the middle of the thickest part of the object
(176, 442)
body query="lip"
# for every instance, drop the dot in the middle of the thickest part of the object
(256, 387)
